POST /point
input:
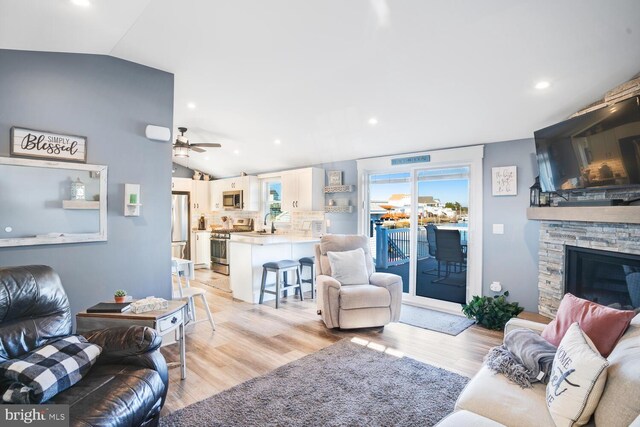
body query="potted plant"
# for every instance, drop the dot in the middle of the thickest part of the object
(492, 313)
(120, 295)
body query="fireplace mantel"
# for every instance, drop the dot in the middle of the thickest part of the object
(606, 214)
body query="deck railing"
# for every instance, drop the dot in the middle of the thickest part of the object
(392, 245)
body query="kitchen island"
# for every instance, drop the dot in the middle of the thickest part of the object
(248, 251)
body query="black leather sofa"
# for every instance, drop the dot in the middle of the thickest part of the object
(127, 385)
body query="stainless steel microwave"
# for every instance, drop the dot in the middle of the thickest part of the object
(232, 199)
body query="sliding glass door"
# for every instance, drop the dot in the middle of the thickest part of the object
(389, 223)
(442, 233)
(418, 229)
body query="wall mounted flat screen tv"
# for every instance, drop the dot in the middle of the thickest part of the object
(597, 150)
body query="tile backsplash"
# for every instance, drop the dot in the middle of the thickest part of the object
(295, 226)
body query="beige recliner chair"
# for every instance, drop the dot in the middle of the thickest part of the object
(371, 304)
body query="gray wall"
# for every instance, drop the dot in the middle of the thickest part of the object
(181, 171)
(27, 197)
(110, 101)
(511, 258)
(343, 223)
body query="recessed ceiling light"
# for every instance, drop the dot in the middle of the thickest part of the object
(191, 105)
(373, 121)
(277, 142)
(206, 158)
(542, 85)
(236, 151)
(82, 3)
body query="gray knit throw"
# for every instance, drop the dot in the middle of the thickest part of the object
(525, 357)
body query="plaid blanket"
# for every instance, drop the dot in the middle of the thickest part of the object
(39, 375)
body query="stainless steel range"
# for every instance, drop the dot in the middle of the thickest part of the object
(220, 240)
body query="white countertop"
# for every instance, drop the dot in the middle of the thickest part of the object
(271, 239)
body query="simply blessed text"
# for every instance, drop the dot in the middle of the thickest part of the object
(49, 144)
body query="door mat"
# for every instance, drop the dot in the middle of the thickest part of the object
(433, 320)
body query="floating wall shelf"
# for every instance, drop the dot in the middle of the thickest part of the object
(132, 200)
(338, 209)
(339, 188)
(80, 204)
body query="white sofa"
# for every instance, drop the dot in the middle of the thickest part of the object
(491, 400)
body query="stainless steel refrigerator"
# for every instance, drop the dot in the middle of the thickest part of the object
(180, 225)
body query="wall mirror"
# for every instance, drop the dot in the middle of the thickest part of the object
(44, 202)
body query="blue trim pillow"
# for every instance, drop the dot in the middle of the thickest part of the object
(41, 374)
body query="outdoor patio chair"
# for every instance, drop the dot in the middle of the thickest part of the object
(449, 250)
(431, 242)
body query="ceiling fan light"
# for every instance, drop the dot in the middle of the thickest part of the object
(179, 151)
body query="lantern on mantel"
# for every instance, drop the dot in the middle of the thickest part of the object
(534, 193)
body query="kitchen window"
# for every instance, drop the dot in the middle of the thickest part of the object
(273, 199)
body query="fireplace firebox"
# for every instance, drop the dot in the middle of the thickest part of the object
(606, 277)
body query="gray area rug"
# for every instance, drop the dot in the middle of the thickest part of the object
(434, 320)
(344, 384)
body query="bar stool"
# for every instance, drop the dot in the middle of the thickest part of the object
(310, 262)
(280, 268)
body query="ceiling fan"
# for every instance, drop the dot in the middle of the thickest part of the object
(182, 145)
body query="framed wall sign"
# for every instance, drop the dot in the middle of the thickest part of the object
(504, 181)
(47, 145)
(335, 177)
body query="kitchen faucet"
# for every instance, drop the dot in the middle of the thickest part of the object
(273, 227)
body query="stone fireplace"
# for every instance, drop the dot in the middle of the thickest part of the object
(555, 236)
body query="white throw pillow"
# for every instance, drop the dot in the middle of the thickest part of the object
(349, 267)
(577, 379)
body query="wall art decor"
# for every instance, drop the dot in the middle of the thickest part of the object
(335, 177)
(39, 144)
(504, 181)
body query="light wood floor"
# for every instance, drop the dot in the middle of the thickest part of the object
(252, 340)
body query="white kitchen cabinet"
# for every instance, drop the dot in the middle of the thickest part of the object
(200, 196)
(202, 248)
(215, 194)
(250, 186)
(303, 190)
(181, 184)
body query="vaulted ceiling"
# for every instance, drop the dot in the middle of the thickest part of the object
(312, 74)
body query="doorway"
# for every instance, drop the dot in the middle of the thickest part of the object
(442, 233)
(424, 224)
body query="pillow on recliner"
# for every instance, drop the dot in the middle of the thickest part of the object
(46, 371)
(349, 267)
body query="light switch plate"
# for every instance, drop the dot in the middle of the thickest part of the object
(498, 228)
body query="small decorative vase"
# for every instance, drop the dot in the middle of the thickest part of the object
(119, 300)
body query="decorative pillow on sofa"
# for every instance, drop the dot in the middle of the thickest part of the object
(603, 325)
(349, 267)
(39, 375)
(577, 379)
